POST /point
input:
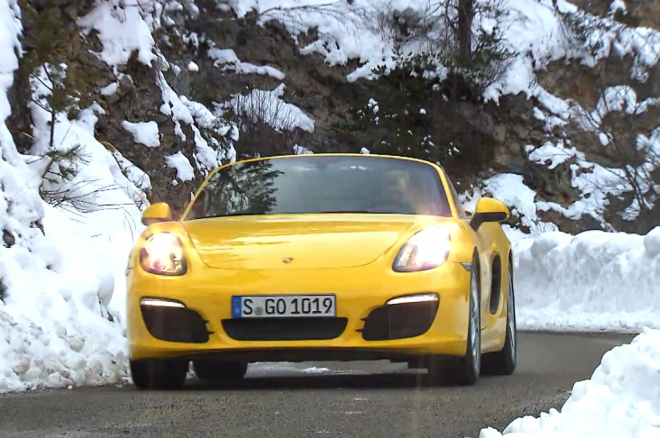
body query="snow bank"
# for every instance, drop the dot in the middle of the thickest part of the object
(591, 281)
(620, 400)
(62, 263)
(61, 268)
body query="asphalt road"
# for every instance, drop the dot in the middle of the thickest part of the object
(363, 399)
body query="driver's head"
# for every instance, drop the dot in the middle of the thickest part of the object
(396, 185)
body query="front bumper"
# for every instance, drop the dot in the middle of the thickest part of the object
(365, 328)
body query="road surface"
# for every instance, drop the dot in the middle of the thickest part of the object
(363, 399)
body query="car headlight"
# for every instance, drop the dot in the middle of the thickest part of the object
(425, 250)
(162, 254)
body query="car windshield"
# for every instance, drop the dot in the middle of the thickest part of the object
(322, 184)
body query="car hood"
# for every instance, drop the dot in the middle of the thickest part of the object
(289, 242)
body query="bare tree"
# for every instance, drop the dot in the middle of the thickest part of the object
(625, 144)
(628, 146)
(267, 124)
(447, 36)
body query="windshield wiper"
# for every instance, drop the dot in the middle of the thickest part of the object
(257, 214)
(344, 211)
(240, 213)
(217, 216)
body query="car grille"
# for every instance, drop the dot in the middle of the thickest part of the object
(399, 321)
(284, 329)
(175, 324)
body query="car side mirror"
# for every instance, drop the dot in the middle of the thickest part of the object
(158, 212)
(489, 210)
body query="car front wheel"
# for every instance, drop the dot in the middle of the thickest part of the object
(465, 370)
(159, 374)
(503, 362)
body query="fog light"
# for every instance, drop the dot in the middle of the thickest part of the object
(155, 302)
(419, 298)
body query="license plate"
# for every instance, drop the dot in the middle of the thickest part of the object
(277, 306)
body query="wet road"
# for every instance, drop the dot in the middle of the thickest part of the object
(358, 399)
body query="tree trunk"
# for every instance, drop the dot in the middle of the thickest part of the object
(465, 16)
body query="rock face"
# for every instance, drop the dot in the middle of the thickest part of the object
(642, 12)
(587, 88)
(324, 93)
(319, 90)
(199, 50)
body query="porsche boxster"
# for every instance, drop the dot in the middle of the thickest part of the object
(327, 257)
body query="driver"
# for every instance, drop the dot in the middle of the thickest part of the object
(397, 189)
(396, 185)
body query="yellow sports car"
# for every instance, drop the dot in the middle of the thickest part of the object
(321, 257)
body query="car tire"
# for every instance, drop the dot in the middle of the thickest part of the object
(465, 370)
(217, 371)
(503, 362)
(159, 374)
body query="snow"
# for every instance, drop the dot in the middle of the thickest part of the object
(268, 107)
(599, 182)
(538, 27)
(316, 370)
(537, 31)
(61, 313)
(60, 317)
(145, 133)
(342, 35)
(619, 400)
(566, 282)
(55, 316)
(594, 182)
(173, 106)
(301, 150)
(184, 170)
(618, 4)
(620, 98)
(592, 281)
(122, 30)
(522, 202)
(534, 29)
(292, 369)
(229, 61)
(181, 109)
(110, 89)
(135, 175)
(10, 29)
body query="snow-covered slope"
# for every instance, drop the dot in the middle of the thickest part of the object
(620, 400)
(59, 269)
(540, 33)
